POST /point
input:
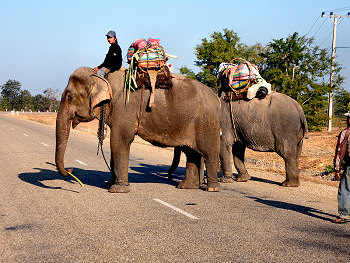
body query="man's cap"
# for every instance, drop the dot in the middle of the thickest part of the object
(111, 34)
(347, 114)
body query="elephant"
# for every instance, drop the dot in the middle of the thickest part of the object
(274, 124)
(186, 115)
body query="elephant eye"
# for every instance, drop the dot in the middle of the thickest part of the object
(70, 98)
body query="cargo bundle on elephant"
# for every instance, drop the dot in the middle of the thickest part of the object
(187, 116)
(148, 67)
(242, 81)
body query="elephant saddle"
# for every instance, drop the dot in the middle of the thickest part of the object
(154, 79)
(148, 69)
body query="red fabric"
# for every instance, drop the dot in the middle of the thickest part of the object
(140, 43)
(153, 41)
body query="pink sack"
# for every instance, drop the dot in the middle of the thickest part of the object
(153, 41)
(140, 43)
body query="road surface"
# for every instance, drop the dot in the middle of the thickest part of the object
(47, 218)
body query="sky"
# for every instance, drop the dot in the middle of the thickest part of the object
(43, 42)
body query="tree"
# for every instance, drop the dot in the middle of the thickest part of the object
(221, 47)
(41, 103)
(26, 100)
(10, 92)
(342, 102)
(298, 68)
(51, 94)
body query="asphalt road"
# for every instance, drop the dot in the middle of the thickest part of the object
(47, 218)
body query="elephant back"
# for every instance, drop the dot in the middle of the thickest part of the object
(277, 113)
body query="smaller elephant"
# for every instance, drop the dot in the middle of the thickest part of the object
(274, 124)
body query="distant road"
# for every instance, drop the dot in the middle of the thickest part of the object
(47, 218)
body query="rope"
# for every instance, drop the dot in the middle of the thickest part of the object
(101, 132)
(233, 121)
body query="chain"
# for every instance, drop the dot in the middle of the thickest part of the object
(102, 131)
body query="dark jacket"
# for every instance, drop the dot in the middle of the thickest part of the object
(113, 59)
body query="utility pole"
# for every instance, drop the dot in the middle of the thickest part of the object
(335, 21)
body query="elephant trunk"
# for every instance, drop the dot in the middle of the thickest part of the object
(63, 123)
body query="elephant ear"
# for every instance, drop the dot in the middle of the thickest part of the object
(101, 91)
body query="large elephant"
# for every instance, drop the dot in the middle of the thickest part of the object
(186, 115)
(274, 124)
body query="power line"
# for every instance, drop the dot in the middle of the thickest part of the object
(319, 28)
(318, 17)
(339, 9)
(326, 38)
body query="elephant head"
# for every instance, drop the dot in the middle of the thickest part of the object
(80, 102)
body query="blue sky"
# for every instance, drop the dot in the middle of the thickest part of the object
(43, 42)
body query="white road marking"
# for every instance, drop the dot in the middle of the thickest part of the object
(45, 144)
(80, 162)
(25, 134)
(176, 209)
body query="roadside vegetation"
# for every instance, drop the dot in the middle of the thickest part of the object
(14, 98)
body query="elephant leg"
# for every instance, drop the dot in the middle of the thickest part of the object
(211, 163)
(191, 180)
(175, 163)
(113, 178)
(238, 151)
(292, 167)
(226, 160)
(120, 153)
(292, 173)
(201, 171)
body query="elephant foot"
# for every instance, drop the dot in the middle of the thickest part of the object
(291, 183)
(110, 183)
(227, 179)
(243, 178)
(120, 188)
(213, 187)
(185, 184)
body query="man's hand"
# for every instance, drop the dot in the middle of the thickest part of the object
(336, 176)
(95, 69)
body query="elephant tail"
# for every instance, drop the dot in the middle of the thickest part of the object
(303, 127)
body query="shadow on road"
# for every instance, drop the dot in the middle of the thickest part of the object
(143, 173)
(257, 179)
(264, 180)
(309, 211)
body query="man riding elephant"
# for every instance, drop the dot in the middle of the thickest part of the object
(113, 60)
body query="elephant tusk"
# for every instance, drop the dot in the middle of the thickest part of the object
(82, 185)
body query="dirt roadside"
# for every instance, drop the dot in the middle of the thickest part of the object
(317, 154)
